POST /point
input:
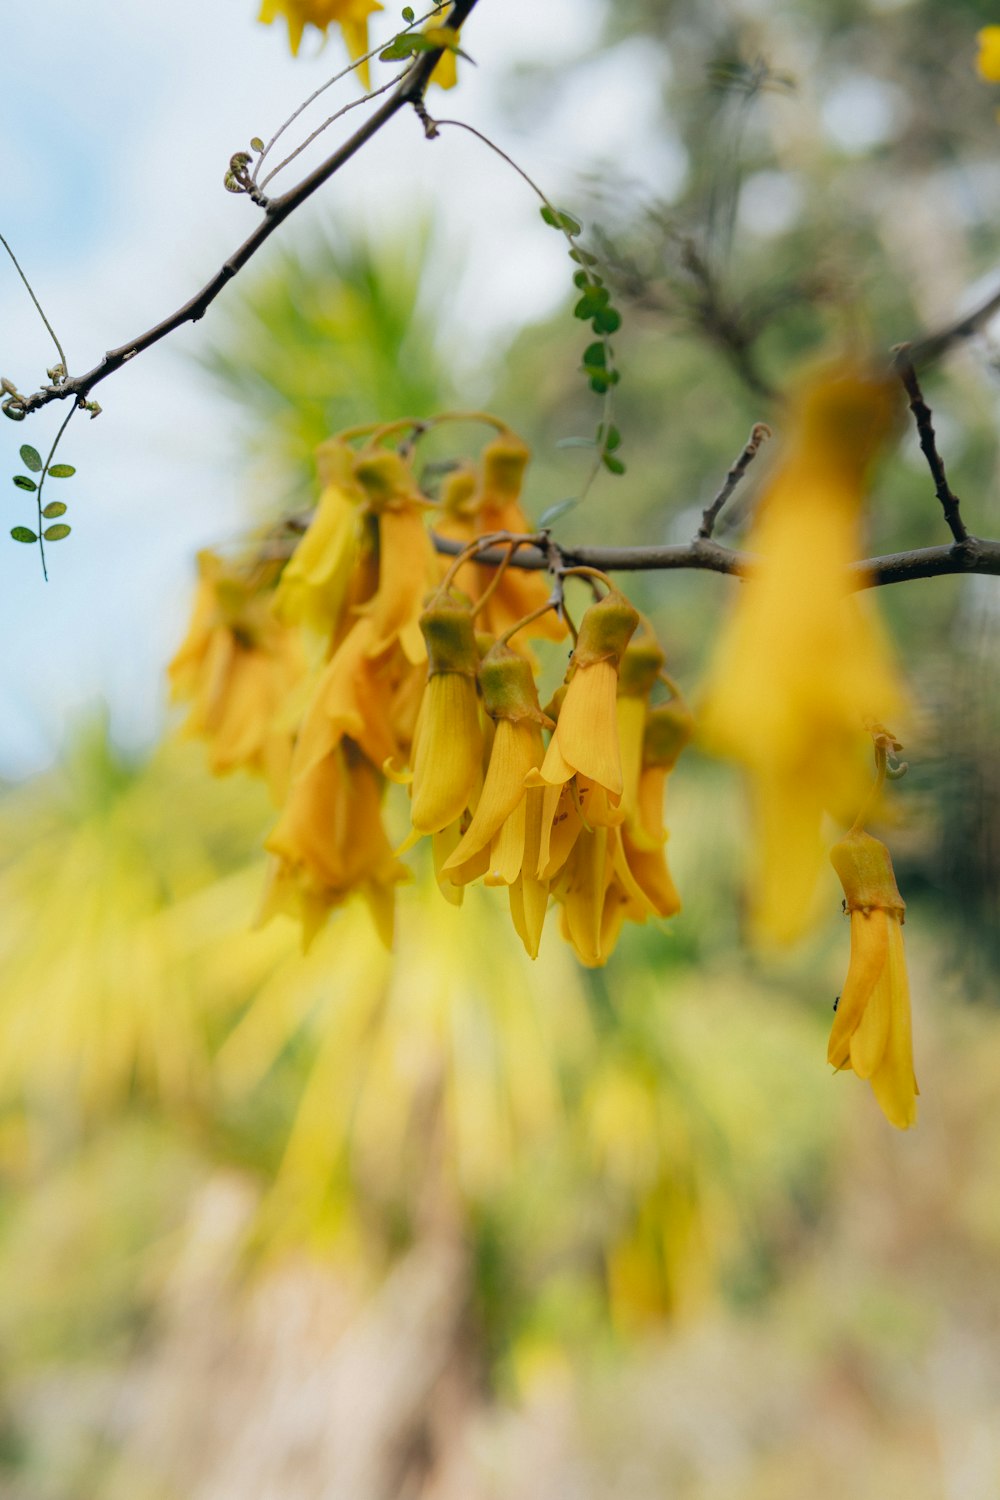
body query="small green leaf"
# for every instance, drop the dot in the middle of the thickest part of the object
(24, 483)
(23, 534)
(613, 439)
(53, 509)
(61, 471)
(607, 320)
(599, 381)
(582, 257)
(612, 464)
(408, 14)
(593, 301)
(569, 224)
(256, 144)
(31, 459)
(398, 50)
(549, 215)
(595, 354)
(559, 509)
(56, 533)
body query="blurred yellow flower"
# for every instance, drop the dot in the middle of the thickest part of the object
(237, 667)
(988, 60)
(448, 744)
(871, 1029)
(313, 585)
(802, 664)
(350, 15)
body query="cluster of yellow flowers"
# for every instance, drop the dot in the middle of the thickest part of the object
(424, 676)
(367, 657)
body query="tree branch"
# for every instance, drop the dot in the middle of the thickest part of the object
(973, 555)
(410, 91)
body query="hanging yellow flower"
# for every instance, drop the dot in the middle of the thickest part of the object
(988, 60)
(350, 15)
(237, 667)
(803, 663)
(871, 1029)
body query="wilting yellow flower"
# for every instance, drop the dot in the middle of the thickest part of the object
(585, 741)
(871, 1029)
(407, 562)
(802, 664)
(988, 60)
(330, 843)
(350, 15)
(237, 667)
(313, 586)
(448, 744)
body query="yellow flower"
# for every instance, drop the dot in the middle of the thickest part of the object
(448, 744)
(585, 742)
(445, 73)
(407, 562)
(802, 665)
(313, 586)
(871, 1030)
(500, 819)
(668, 729)
(355, 696)
(350, 15)
(988, 60)
(474, 509)
(237, 667)
(329, 843)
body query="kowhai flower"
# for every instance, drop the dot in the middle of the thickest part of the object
(871, 1029)
(237, 667)
(350, 15)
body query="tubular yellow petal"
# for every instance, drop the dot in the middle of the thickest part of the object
(447, 754)
(581, 891)
(894, 1083)
(507, 849)
(517, 747)
(871, 1035)
(869, 954)
(587, 727)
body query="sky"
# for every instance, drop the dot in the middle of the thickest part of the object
(118, 122)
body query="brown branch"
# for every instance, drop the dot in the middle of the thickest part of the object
(928, 444)
(758, 434)
(277, 210)
(933, 345)
(972, 555)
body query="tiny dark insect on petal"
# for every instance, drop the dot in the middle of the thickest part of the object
(835, 1004)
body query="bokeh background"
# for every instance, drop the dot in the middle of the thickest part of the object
(444, 1223)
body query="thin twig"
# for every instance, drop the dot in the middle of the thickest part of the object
(928, 444)
(431, 128)
(38, 305)
(277, 211)
(352, 104)
(759, 433)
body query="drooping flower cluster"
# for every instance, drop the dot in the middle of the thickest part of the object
(424, 676)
